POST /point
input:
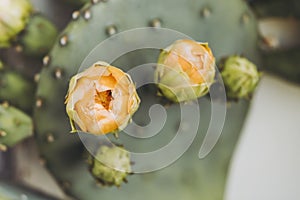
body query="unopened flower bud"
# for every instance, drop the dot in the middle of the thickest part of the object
(185, 70)
(110, 166)
(240, 77)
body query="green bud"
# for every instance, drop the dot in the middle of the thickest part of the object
(14, 15)
(15, 125)
(185, 70)
(111, 165)
(240, 77)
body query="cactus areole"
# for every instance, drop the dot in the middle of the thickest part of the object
(185, 70)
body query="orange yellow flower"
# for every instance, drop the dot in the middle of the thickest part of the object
(101, 99)
(185, 70)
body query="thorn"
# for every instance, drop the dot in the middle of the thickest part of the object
(63, 41)
(2, 133)
(58, 73)
(87, 15)
(50, 138)
(46, 60)
(155, 23)
(245, 18)
(36, 77)
(111, 30)
(39, 103)
(75, 15)
(3, 148)
(205, 12)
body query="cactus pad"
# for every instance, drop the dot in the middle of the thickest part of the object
(232, 33)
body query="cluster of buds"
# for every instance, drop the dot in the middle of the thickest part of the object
(102, 99)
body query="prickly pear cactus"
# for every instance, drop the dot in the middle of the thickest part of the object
(22, 27)
(14, 126)
(204, 21)
(16, 89)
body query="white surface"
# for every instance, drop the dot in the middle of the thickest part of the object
(266, 165)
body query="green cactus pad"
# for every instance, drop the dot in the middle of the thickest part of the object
(14, 125)
(17, 90)
(39, 36)
(189, 178)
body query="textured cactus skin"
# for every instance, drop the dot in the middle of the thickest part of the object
(17, 90)
(189, 177)
(14, 125)
(39, 36)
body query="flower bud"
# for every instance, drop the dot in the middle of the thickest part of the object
(185, 70)
(101, 99)
(110, 166)
(13, 17)
(240, 77)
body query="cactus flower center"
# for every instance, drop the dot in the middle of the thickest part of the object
(101, 99)
(104, 98)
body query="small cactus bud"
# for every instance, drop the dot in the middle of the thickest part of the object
(240, 77)
(101, 99)
(111, 165)
(14, 15)
(185, 70)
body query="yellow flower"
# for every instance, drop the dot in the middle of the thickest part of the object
(185, 70)
(101, 99)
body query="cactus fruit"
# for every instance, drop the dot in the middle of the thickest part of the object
(201, 20)
(19, 24)
(240, 77)
(16, 89)
(101, 99)
(14, 126)
(110, 166)
(185, 70)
